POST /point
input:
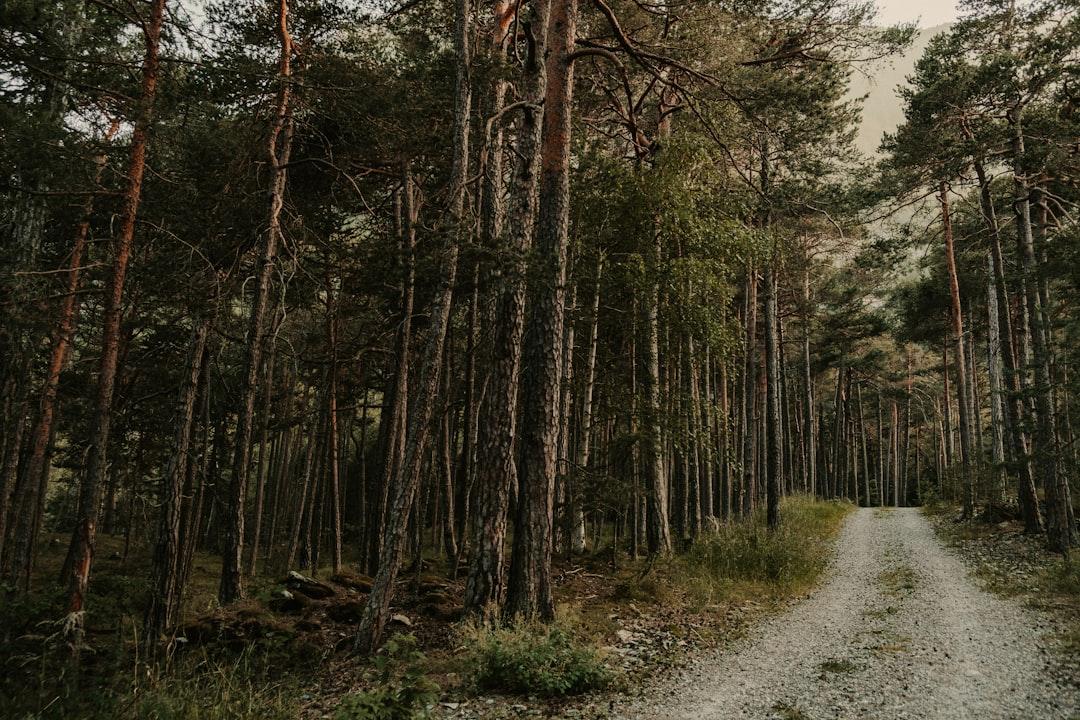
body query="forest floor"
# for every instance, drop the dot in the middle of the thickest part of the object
(900, 629)
(843, 613)
(287, 654)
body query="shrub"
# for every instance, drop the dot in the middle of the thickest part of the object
(534, 659)
(400, 689)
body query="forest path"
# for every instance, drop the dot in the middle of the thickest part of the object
(897, 630)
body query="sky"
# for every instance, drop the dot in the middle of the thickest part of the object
(928, 12)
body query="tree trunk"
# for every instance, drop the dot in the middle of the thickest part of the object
(772, 373)
(529, 593)
(377, 610)
(163, 608)
(264, 469)
(279, 148)
(1060, 523)
(496, 469)
(749, 389)
(967, 451)
(81, 550)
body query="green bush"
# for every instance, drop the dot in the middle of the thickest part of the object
(400, 689)
(534, 659)
(789, 557)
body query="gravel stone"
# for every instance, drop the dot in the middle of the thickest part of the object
(898, 630)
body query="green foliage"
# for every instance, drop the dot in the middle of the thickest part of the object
(534, 659)
(790, 557)
(400, 689)
(212, 690)
(1064, 578)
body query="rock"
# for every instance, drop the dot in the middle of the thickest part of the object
(438, 597)
(401, 619)
(360, 583)
(428, 584)
(308, 625)
(288, 603)
(446, 611)
(308, 586)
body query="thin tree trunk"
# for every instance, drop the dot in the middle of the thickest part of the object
(377, 610)
(967, 451)
(264, 466)
(279, 148)
(772, 373)
(83, 538)
(163, 608)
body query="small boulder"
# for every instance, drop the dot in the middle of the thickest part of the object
(308, 626)
(288, 603)
(446, 611)
(359, 583)
(308, 586)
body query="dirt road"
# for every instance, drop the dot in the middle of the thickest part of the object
(898, 630)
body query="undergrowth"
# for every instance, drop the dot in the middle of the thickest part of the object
(783, 561)
(535, 659)
(400, 690)
(208, 688)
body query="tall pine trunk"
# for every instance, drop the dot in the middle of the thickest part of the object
(81, 551)
(530, 593)
(279, 148)
(967, 451)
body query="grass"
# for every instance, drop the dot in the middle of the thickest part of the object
(748, 559)
(209, 688)
(898, 581)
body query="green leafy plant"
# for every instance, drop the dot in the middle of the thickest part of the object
(400, 688)
(533, 659)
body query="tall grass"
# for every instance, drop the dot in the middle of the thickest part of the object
(213, 689)
(748, 556)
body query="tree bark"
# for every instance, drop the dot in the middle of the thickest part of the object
(967, 451)
(772, 372)
(377, 610)
(279, 148)
(1060, 523)
(81, 550)
(166, 585)
(529, 593)
(496, 466)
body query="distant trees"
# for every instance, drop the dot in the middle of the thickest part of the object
(965, 114)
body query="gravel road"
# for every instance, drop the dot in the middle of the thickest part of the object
(898, 630)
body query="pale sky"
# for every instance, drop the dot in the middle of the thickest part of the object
(928, 12)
